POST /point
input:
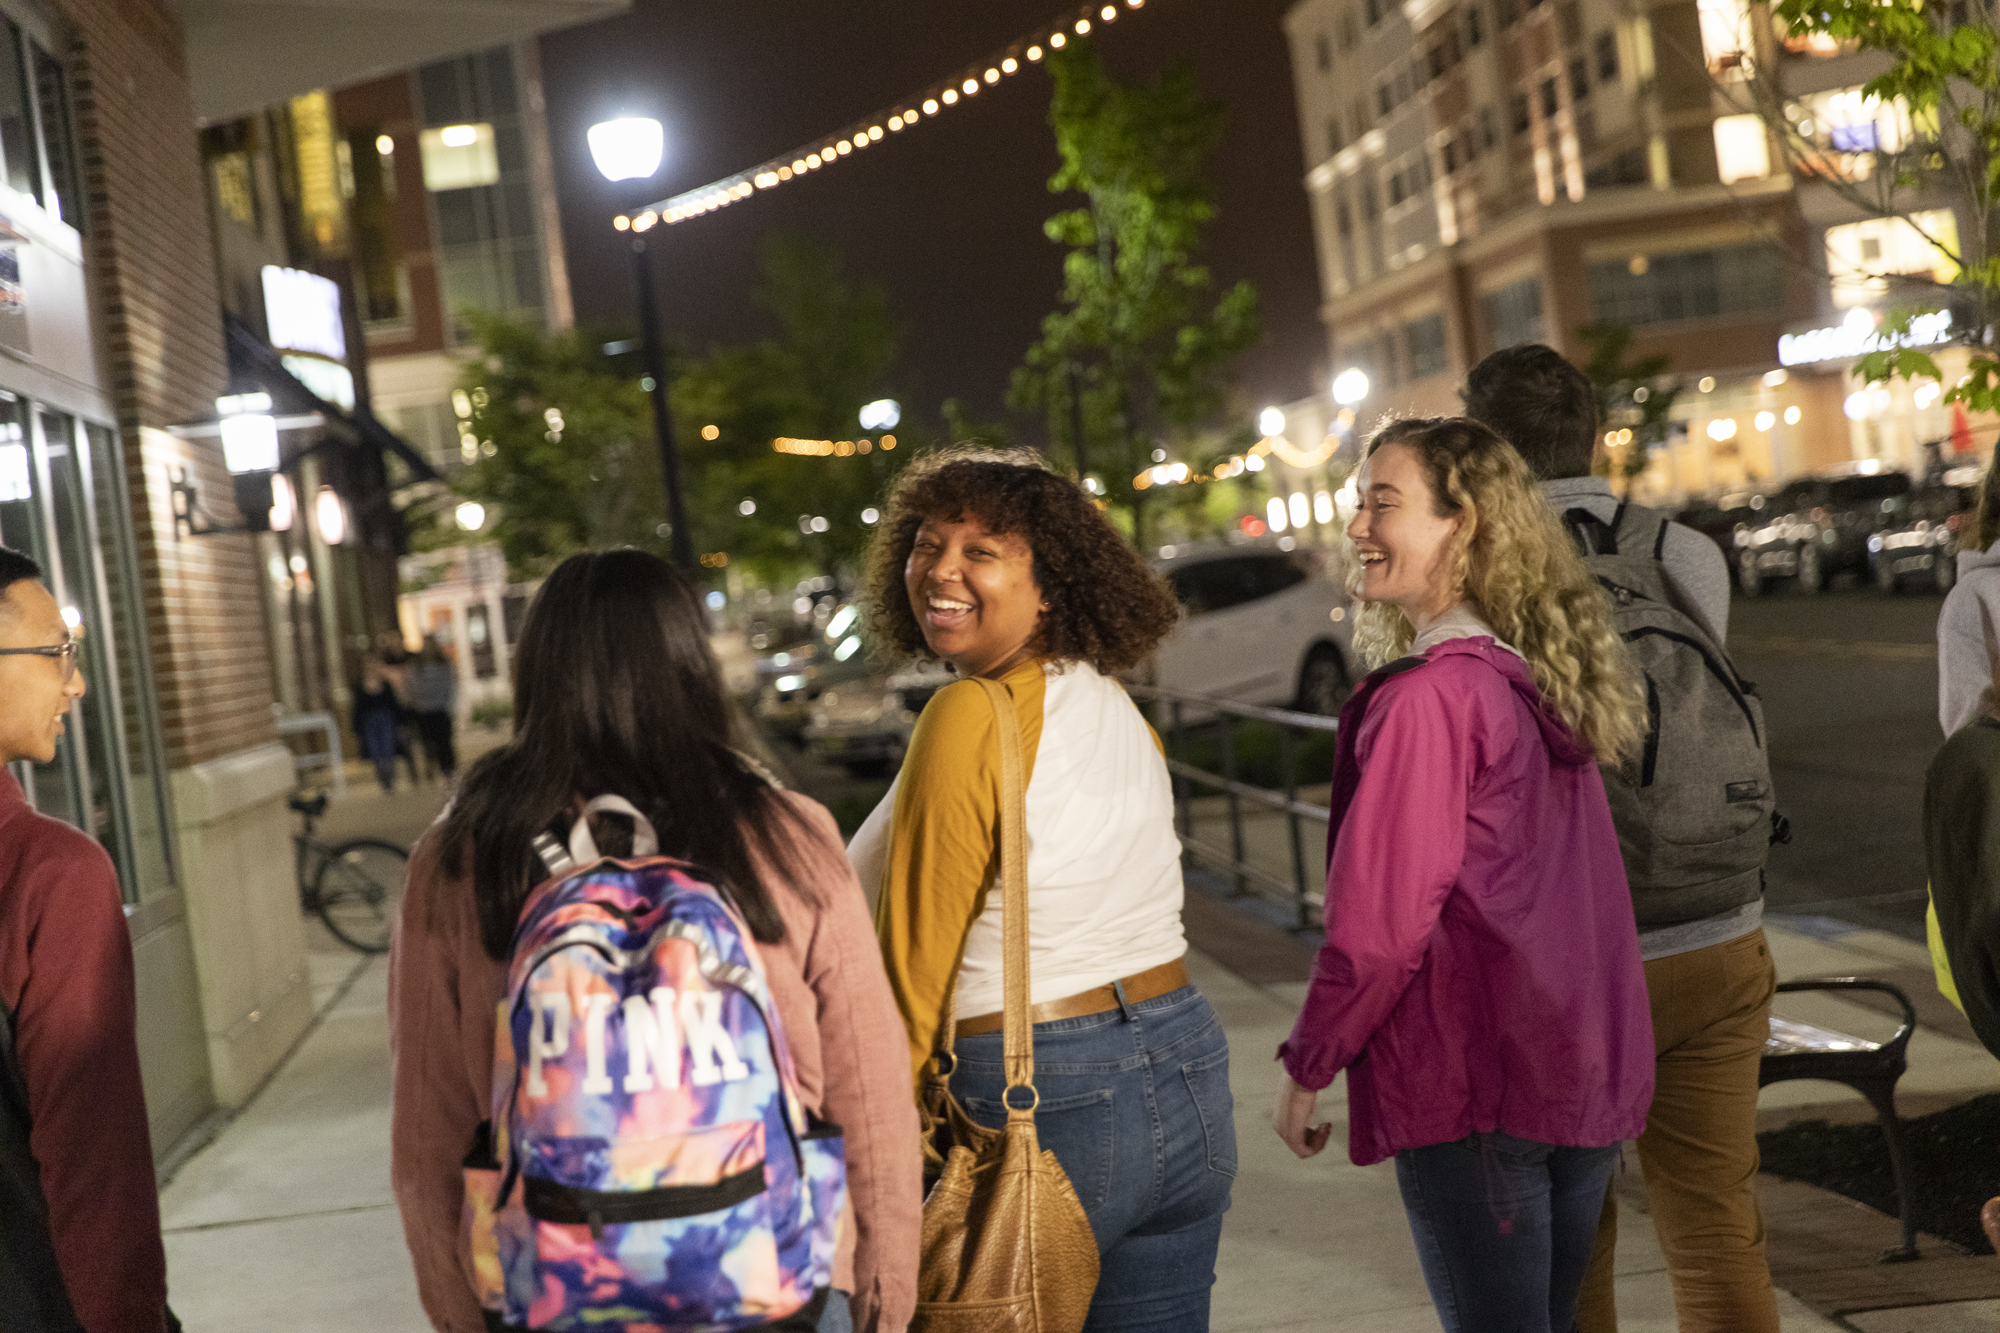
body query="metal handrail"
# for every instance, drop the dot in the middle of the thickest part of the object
(1282, 716)
(1171, 711)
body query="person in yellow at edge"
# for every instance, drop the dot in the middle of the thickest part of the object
(1005, 570)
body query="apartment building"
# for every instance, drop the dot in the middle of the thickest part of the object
(1488, 172)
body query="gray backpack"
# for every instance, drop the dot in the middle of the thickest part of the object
(1694, 812)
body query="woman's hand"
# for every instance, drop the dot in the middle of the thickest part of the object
(1293, 1118)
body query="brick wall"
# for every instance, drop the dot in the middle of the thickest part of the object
(159, 325)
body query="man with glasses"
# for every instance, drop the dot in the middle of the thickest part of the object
(79, 1212)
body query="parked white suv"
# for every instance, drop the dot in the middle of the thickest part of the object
(1260, 625)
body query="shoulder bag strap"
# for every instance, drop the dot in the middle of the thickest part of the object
(1019, 1039)
(1012, 836)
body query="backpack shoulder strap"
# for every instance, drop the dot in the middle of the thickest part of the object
(1592, 535)
(1641, 528)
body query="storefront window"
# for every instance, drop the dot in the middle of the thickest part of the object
(17, 118)
(49, 509)
(132, 665)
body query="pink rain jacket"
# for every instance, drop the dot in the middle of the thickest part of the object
(1481, 966)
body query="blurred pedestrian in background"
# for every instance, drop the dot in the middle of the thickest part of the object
(1480, 978)
(1962, 788)
(1004, 570)
(1968, 629)
(433, 696)
(1709, 972)
(617, 692)
(378, 714)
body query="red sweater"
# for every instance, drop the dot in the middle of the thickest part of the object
(66, 975)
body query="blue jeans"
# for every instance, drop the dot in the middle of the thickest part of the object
(1136, 1107)
(1504, 1228)
(838, 1316)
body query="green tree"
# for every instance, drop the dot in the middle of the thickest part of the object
(567, 460)
(1135, 356)
(1632, 394)
(1936, 141)
(836, 345)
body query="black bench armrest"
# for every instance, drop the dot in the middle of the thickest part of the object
(1902, 1037)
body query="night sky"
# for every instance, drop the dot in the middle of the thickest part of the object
(948, 216)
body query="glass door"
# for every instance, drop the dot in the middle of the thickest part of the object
(46, 511)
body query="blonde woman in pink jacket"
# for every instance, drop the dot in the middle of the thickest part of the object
(1480, 980)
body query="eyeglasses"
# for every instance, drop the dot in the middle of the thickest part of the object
(67, 652)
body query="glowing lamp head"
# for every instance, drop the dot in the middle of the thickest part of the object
(250, 441)
(330, 516)
(1271, 421)
(1350, 386)
(471, 516)
(628, 148)
(882, 414)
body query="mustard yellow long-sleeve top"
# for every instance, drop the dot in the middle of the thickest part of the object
(1104, 880)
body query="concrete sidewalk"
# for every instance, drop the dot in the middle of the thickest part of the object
(286, 1221)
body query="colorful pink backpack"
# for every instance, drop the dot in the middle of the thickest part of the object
(649, 1165)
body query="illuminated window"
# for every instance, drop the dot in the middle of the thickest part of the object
(1742, 148)
(1846, 126)
(457, 157)
(1863, 256)
(1726, 38)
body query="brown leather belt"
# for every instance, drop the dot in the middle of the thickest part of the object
(1150, 984)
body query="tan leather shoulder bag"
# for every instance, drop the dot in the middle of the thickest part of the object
(1006, 1245)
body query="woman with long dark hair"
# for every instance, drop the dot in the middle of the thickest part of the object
(617, 693)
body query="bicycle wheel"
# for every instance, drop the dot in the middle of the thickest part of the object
(357, 891)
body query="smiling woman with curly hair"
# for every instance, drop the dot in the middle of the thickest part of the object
(994, 564)
(1104, 606)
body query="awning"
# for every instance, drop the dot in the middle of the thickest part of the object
(244, 55)
(253, 359)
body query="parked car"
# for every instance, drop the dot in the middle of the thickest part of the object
(1719, 519)
(1817, 527)
(864, 724)
(1260, 625)
(1922, 546)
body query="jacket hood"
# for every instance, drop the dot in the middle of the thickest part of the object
(1971, 560)
(1563, 744)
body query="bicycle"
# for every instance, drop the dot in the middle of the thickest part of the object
(353, 886)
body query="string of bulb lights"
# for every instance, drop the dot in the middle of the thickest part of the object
(933, 101)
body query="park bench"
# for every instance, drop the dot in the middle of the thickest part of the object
(1800, 1050)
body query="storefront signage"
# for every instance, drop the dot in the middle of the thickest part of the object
(1856, 336)
(302, 311)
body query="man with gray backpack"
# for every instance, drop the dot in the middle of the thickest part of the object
(1695, 820)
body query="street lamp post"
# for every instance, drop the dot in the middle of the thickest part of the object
(630, 148)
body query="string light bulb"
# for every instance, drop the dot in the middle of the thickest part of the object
(719, 194)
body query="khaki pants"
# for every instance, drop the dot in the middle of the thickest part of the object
(1711, 1014)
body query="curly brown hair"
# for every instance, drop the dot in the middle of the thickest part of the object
(1105, 607)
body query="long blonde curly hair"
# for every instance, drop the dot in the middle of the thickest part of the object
(1512, 560)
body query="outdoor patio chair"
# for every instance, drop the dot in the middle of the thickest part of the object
(1800, 1050)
